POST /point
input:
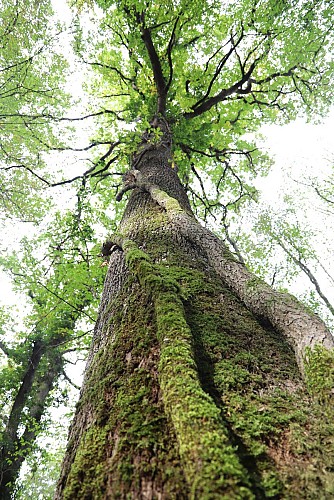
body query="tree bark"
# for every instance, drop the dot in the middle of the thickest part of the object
(16, 444)
(192, 388)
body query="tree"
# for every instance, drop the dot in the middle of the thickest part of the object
(62, 293)
(191, 373)
(282, 249)
(34, 358)
(32, 74)
(193, 387)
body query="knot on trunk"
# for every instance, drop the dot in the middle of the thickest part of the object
(109, 247)
(131, 180)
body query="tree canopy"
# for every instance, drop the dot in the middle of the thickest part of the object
(31, 81)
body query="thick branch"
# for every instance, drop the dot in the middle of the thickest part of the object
(222, 95)
(27, 381)
(17, 448)
(219, 68)
(169, 54)
(157, 71)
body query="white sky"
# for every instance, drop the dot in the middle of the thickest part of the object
(300, 147)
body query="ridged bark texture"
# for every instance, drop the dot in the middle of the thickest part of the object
(190, 392)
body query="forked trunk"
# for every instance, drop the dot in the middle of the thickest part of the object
(188, 394)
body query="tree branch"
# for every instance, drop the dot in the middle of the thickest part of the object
(169, 54)
(66, 377)
(219, 68)
(25, 387)
(156, 65)
(49, 116)
(124, 78)
(308, 273)
(222, 95)
(5, 349)
(322, 196)
(88, 173)
(234, 245)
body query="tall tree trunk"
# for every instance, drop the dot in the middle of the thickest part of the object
(192, 388)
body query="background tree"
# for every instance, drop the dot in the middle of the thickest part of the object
(32, 74)
(288, 242)
(192, 388)
(63, 289)
(34, 354)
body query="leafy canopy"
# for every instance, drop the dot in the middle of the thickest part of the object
(217, 70)
(32, 71)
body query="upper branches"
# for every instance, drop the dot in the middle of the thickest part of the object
(270, 60)
(230, 70)
(99, 167)
(247, 82)
(154, 58)
(186, 60)
(157, 71)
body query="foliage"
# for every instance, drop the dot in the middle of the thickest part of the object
(42, 468)
(31, 93)
(284, 241)
(217, 75)
(63, 288)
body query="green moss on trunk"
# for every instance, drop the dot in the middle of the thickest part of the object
(191, 396)
(281, 434)
(136, 442)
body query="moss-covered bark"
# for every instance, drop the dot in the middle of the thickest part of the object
(187, 393)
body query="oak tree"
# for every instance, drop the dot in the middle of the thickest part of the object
(202, 380)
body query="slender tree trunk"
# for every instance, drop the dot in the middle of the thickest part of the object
(44, 366)
(192, 388)
(23, 426)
